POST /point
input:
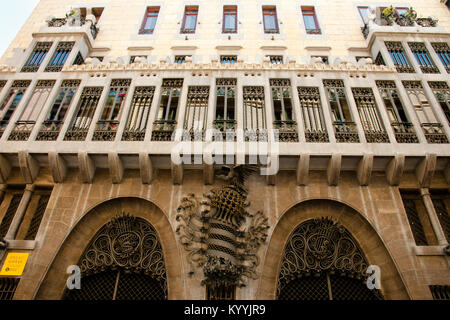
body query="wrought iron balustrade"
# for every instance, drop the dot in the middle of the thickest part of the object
(287, 130)
(225, 128)
(49, 130)
(163, 129)
(22, 131)
(345, 131)
(60, 22)
(404, 132)
(105, 130)
(434, 132)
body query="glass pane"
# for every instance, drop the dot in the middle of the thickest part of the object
(363, 12)
(150, 23)
(310, 23)
(269, 22)
(190, 22)
(230, 22)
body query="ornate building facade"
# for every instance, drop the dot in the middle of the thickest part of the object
(138, 141)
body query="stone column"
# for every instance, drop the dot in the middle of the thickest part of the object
(22, 208)
(2, 192)
(425, 193)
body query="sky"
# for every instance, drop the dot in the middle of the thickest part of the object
(13, 15)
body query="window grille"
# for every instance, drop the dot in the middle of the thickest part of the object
(34, 62)
(221, 292)
(82, 119)
(379, 61)
(52, 124)
(398, 57)
(8, 288)
(180, 59)
(423, 58)
(225, 121)
(254, 113)
(11, 101)
(139, 113)
(229, 19)
(368, 113)
(133, 58)
(196, 111)
(443, 51)
(276, 59)
(149, 23)
(324, 59)
(283, 112)
(431, 127)
(228, 59)
(400, 123)
(441, 91)
(108, 123)
(30, 114)
(441, 202)
(2, 84)
(312, 273)
(189, 20)
(9, 214)
(165, 122)
(37, 217)
(440, 292)
(344, 127)
(79, 60)
(60, 56)
(270, 20)
(313, 120)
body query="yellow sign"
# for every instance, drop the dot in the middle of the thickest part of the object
(14, 264)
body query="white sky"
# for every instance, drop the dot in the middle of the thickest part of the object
(13, 14)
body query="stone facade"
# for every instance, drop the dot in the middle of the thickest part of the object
(357, 168)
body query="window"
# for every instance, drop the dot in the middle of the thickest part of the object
(254, 114)
(228, 59)
(344, 127)
(403, 128)
(11, 102)
(270, 20)
(401, 11)
(441, 203)
(368, 113)
(440, 292)
(418, 218)
(310, 19)
(441, 91)
(180, 59)
(422, 57)
(138, 115)
(165, 122)
(313, 120)
(81, 121)
(443, 51)
(379, 61)
(220, 292)
(52, 124)
(60, 56)
(276, 59)
(324, 59)
(189, 20)
(79, 60)
(363, 11)
(196, 111)
(225, 105)
(8, 288)
(229, 19)
(398, 57)
(34, 213)
(11, 199)
(283, 111)
(133, 58)
(149, 23)
(109, 120)
(36, 58)
(431, 126)
(30, 114)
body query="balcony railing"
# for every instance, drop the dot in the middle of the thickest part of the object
(105, 130)
(345, 131)
(404, 132)
(226, 129)
(163, 130)
(61, 22)
(49, 130)
(22, 131)
(287, 130)
(434, 133)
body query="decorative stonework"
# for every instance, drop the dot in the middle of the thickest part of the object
(220, 235)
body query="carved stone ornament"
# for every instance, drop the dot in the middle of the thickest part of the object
(220, 235)
(129, 243)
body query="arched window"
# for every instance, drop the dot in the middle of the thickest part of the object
(124, 261)
(322, 261)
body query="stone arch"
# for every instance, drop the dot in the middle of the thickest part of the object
(371, 244)
(89, 225)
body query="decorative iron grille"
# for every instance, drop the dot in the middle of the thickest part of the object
(323, 261)
(79, 127)
(414, 221)
(37, 57)
(9, 214)
(124, 261)
(11, 101)
(196, 111)
(60, 56)
(423, 58)
(138, 115)
(368, 113)
(441, 91)
(225, 122)
(313, 120)
(440, 292)
(37, 217)
(442, 49)
(254, 114)
(399, 58)
(439, 201)
(283, 111)
(8, 288)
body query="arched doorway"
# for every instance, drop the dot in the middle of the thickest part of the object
(322, 261)
(124, 261)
